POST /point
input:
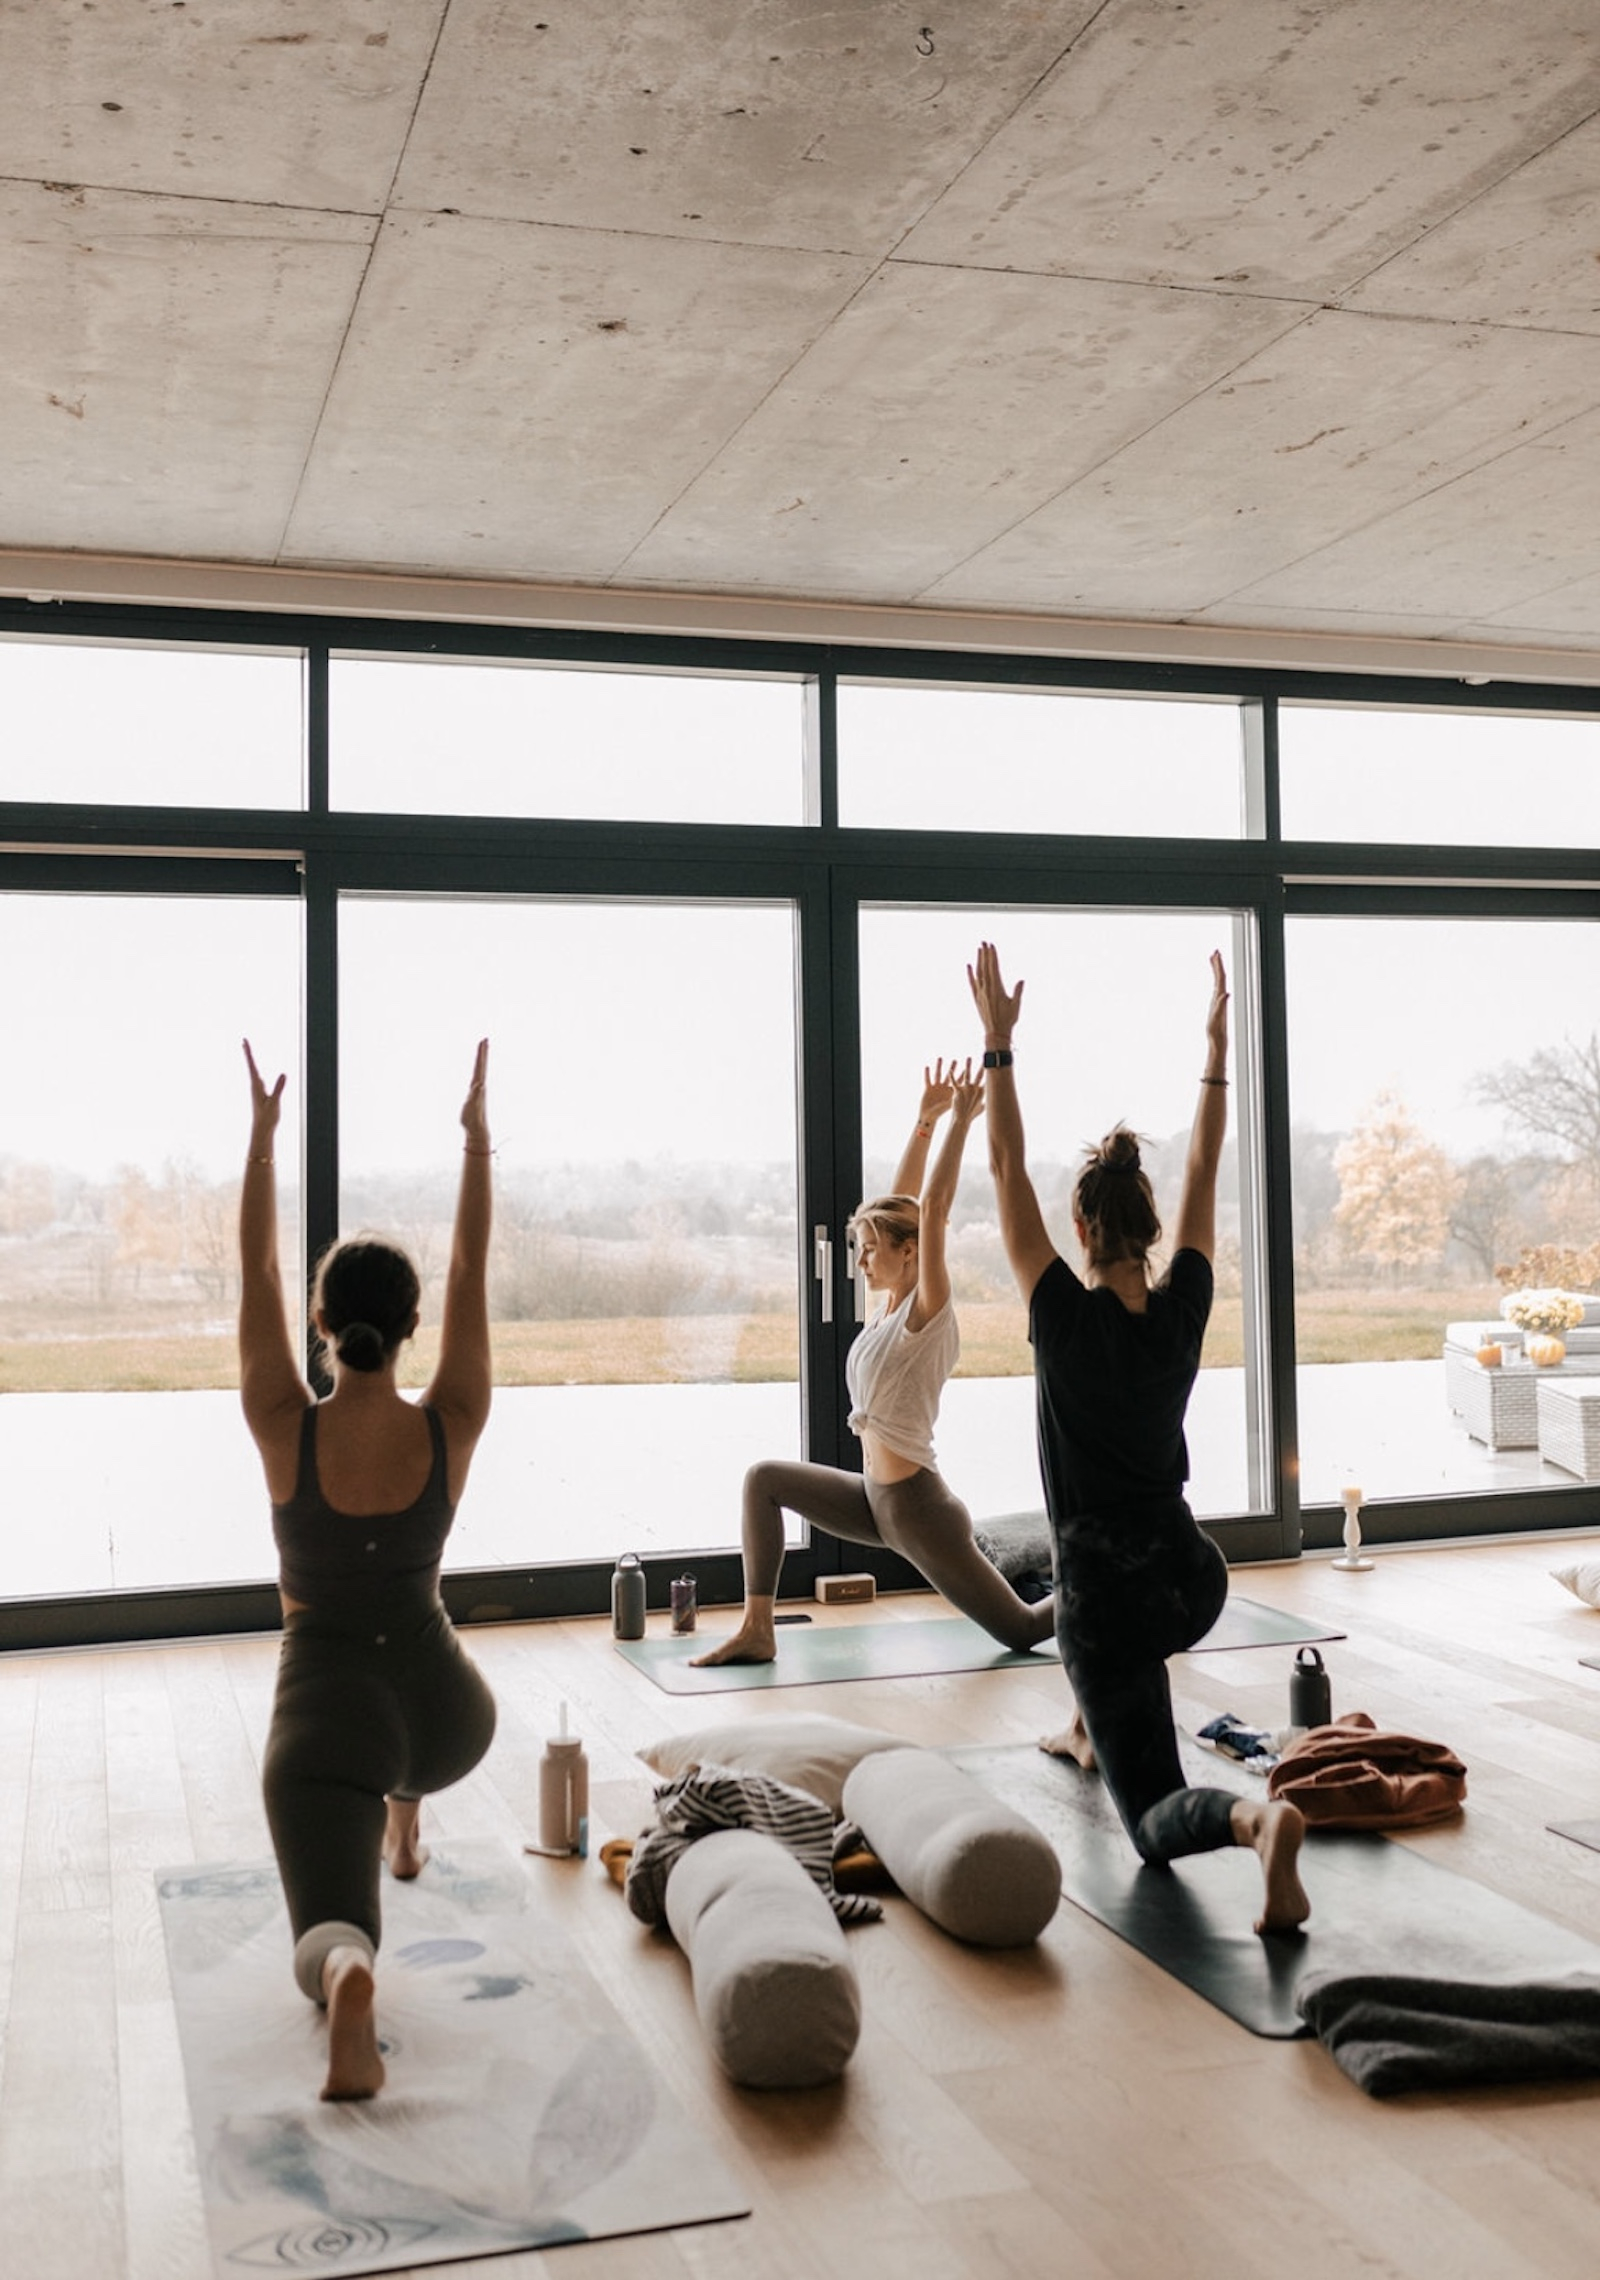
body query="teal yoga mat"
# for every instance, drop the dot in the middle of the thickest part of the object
(1376, 1905)
(835, 1653)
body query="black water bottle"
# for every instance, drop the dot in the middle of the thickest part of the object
(1310, 1695)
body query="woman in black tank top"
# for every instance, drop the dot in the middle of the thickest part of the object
(1115, 1358)
(376, 1703)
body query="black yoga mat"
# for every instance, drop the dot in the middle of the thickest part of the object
(833, 1653)
(1376, 1904)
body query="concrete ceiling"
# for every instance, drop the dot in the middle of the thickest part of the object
(1274, 314)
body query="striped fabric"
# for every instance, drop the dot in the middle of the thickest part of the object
(711, 1797)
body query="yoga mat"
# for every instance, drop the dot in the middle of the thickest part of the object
(829, 1654)
(1376, 1904)
(518, 2113)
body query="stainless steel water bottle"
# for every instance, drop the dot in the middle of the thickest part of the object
(682, 1595)
(627, 1598)
(1310, 1693)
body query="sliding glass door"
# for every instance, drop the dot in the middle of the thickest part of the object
(126, 1463)
(1111, 1031)
(645, 1278)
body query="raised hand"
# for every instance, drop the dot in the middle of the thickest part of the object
(265, 1106)
(937, 1089)
(1217, 1013)
(967, 1093)
(475, 1108)
(997, 1009)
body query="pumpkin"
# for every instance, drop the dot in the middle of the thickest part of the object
(1490, 1356)
(1545, 1352)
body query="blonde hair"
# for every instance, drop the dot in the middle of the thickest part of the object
(1115, 1201)
(895, 1219)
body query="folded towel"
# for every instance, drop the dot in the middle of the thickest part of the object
(1018, 1544)
(1351, 1775)
(1391, 2032)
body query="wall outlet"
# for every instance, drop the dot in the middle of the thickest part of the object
(832, 1590)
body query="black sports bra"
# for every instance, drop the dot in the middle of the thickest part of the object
(345, 1563)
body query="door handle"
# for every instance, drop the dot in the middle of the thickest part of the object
(822, 1267)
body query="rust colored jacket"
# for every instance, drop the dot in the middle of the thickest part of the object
(1350, 1775)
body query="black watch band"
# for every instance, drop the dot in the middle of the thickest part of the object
(998, 1057)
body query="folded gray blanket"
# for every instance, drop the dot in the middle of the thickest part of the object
(1018, 1544)
(1392, 2032)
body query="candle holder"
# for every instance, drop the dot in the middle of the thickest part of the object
(1354, 1560)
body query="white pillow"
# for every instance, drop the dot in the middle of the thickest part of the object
(811, 1752)
(1582, 1577)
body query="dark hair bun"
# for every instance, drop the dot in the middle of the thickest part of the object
(360, 1347)
(1119, 1150)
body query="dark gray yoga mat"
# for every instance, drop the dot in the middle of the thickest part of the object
(830, 1654)
(1376, 1904)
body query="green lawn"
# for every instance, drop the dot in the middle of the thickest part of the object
(1334, 1326)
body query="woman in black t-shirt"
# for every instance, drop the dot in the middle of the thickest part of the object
(1115, 1357)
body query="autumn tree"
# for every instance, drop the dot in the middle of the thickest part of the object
(1554, 1096)
(1397, 1189)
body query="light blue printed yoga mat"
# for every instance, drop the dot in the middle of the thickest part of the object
(827, 1654)
(518, 2113)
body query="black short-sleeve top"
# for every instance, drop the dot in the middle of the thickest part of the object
(1113, 1386)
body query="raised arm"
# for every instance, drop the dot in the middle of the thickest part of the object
(1022, 1227)
(460, 1390)
(271, 1387)
(939, 1195)
(1196, 1228)
(937, 1092)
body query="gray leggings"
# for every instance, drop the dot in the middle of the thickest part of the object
(919, 1518)
(358, 1718)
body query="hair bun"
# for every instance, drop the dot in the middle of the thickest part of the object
(1119, 1150)
(360, 1346)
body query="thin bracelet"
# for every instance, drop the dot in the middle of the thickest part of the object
(467, 1149)
(259, 1159)
(924, 1130)
(1213, 1080)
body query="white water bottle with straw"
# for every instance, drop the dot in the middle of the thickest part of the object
(564, 1794)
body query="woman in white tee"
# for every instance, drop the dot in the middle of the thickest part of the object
(896, 1372)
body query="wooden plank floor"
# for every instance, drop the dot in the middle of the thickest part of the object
(1066, 2110)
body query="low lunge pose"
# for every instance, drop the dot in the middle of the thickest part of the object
(376, 1703)
(896, 1372)
(1115, 1358)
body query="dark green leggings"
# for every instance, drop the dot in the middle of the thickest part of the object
(358, 1717)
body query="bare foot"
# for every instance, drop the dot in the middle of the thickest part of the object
(1275, 1832)
(400, 1847)
(1072, 1742)
(751, 1643)
(355, 2069)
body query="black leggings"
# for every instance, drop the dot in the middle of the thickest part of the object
(920, 1518)
(1135, 1586)
(358, 1718)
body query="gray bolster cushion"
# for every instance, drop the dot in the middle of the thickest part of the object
(776, 1993)
(978, 1869)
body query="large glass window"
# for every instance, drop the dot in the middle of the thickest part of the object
(468, 738)
(134, 727)
(644, 1278)
(1457, 779)
(964, 759)
(125, 1458)
(1445, 1089)
(1112, 1031)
